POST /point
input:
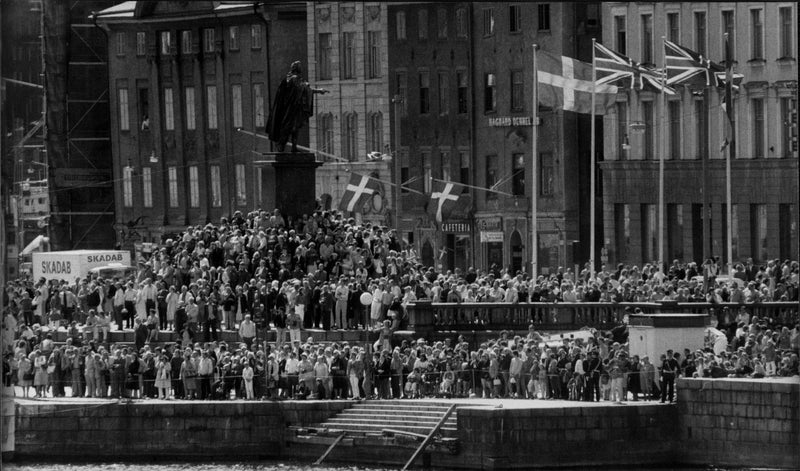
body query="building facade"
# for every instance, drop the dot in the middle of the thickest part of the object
(347, 50)
(24, 171)
(184, 79)
(764, 158)
(430, 64)
(503, 35)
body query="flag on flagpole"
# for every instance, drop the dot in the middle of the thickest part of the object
(684, 66)
(727, 101)
(615, 69)
(566, 83)
(358, 191)
(444, 199)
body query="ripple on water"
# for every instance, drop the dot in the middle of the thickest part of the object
(255, 466)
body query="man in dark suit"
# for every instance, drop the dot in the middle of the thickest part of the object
(669, 371)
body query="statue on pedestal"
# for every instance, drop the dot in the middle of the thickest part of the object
(293, 105)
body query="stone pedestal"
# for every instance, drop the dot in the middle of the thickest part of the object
(295, 182)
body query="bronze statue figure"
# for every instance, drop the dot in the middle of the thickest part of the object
(293, 105)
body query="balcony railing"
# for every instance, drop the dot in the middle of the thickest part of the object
(426, 316)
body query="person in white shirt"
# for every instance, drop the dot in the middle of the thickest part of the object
(340, 314)
(247, 331)
(119, 305)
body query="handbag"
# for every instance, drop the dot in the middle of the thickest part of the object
(51, 369)
(496, 382)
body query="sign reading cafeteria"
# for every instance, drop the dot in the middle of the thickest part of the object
(506, 121)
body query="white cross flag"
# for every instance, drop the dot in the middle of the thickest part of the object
(358, 191)
(443, 199)
(566, 83)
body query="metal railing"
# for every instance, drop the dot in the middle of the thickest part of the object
(424, 316)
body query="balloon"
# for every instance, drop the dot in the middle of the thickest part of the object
(366, 299)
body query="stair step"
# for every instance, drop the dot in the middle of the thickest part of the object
(377, 427)
(413, 407)
(393, 416)
(409, 412)
(380, 420)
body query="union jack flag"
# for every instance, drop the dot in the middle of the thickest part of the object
(612, 67)
(685, 66)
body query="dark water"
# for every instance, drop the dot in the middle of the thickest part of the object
(260, 466)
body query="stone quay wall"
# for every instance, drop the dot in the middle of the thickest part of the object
(721, 422)
(568, 436)
(162, 431)
(740, 422)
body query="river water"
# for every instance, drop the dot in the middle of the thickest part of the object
(256, 466)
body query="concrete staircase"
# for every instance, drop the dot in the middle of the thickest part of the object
(374, 417)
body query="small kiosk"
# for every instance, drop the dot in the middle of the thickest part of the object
(653, 334)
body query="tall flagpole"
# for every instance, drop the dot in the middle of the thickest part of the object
(592, 164)
(729, 138)
(662, 154)
(534, 162)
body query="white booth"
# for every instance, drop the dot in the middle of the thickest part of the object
(653, 334)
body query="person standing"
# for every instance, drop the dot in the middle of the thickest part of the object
(341, 294)
(593, 367)
(669, 371)
(205, 371)
(247, 331)
(119, 305)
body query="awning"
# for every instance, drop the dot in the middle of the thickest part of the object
(35, 244)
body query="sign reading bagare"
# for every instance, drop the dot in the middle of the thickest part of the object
(82, 177)
(506, 121)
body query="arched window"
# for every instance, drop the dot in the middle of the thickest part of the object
(516, 252)
(325, 201)
(375, 132)
(427, 254)
(325, 133)
(350, 136)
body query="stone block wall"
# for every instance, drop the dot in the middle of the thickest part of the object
(602, 434)
(153, 431)
(740, 422)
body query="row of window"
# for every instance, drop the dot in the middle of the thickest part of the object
(350, 134)
(674, 231)
(784, 46)
(516, 179)
(189, 99)
(167, 44)
(423, 24)
(443, 82)
(215, 186)
(674, 129)
(348, 62)
(515, 21)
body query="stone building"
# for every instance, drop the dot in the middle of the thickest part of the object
(184, 78)
(764, 166)
(347, 51)
(502, 83)
(430, 64)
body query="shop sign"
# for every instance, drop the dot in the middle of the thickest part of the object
(490, 224)
(457, 227)
(506, 121)
(82, 177)
(491, 236)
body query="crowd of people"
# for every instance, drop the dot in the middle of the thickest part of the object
(260, 270)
